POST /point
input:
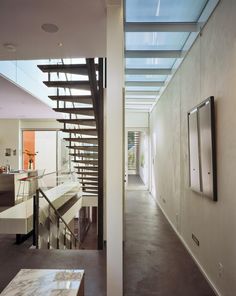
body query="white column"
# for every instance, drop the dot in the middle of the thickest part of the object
(114, 150)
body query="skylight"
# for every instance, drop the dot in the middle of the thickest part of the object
(158, 34)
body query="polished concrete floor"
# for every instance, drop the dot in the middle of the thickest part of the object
(155, 261)
(135, 183)
(135, 180)
(90, 241)
(15, 257)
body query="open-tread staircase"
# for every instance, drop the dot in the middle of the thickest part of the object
(83, 122)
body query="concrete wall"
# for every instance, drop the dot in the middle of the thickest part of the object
(134, 119)
(209, 69)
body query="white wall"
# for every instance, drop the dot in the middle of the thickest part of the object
(9, 138)
(40, 124)
(134, 119)
(144, 157)
(209, 69)
(114, 150)
(46, 146)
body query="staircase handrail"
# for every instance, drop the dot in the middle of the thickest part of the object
(62, 172)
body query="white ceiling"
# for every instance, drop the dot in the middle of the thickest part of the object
(16, 103)
(82, 28)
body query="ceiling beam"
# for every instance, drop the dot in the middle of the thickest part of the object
(162, 27)
(139, 71)
(153, 54)
(142, 93)
(138, 107)
(144, 83)
(140, 101)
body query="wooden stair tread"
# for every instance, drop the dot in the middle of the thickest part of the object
(83, 140)
(84, 148)
(89, 183)
(85, 85)
(80, 69)
(91, 191)
(86, 168)
(89, 178)
(86, 161)
(84, 174)
(86, 121)
(85, 155)
(73, 99)
(79, 111)
(80, 131)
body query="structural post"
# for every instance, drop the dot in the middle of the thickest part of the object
(100, 128)
(114, 150)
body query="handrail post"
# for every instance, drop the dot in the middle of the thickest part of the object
(36, 220)
(58, 233)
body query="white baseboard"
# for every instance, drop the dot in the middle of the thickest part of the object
(188, 249)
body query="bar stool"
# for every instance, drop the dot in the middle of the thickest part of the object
(22, 184)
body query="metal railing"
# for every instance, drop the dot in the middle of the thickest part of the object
(51, 231)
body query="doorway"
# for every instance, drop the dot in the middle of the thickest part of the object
(137, 170)
(45, 150)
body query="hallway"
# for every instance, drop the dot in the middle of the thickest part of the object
(155, 261)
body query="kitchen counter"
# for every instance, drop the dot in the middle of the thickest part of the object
(11, 187)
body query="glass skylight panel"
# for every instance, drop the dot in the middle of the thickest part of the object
(155, 40)
(164, 10)
(146, 77)
(155, 63)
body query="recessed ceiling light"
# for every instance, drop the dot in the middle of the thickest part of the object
(10, 47)
(50, 28)
(59, 44)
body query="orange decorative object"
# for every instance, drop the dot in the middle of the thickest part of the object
(29, 149)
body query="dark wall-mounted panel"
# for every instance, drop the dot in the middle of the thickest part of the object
(201, 130)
